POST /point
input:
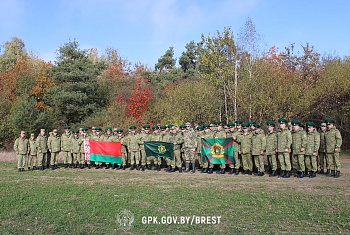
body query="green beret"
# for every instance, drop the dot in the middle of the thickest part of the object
(182, 127)
(245, 125)
(251, 123)
(256, 125)
(67, 127)
(238, 122)
(282, 120)
(119, 130)
(310, 124)
(98, 129)
(163, 127)
(296, 123)
(206, 125)
(199, 128)
(108, 128)
(230, 124)
(328, 121)
(84, 129)
(270, 123)
(155, 127)
(132, 127)
(75, 131)
(217, 123)
(146, 127)
(170, 125)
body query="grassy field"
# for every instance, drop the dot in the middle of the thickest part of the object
(75, 201)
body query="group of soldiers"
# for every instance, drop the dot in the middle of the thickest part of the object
(309, 149)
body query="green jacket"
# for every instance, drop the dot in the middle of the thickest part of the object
(284, 140)
(333, 140)
(312, 143)
(299, 140)
(108, 138)
(21, 145)
(54, 143)
(245, 140)
(322, 141)
(176, 138)
(65, 142)
(190, 139)
(156, 137)
(271, 143)
(41, 141)
(258, 143)
(76, 144)
(33, 147)
(132, 142)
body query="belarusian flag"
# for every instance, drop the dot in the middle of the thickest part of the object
(105, 151)
(159, 149)
(218, 150)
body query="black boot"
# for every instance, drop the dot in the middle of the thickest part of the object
(123, 168)
(70, 165)
(287, 174)
(168, 169)
(34, 168)
(221, 171)
(307, 172)
(337, 174)
(113, 166)
(158, 168)
(172, 169)
(231, 171)
(107, 166)
(332, 173)
(137, 167)
(56, 167)
(187, 167)
(193, 168)
(41, 168)
(312, 174)
(180, 169)
(19, 169)
(148, 167)
(132, 167)
(236, 171)
(142, 168)
(205, 170)
(273, 173)
(282, 173)
(210, 171)
(300, 174)
(250, 172)
(321, 171)
(328, 173)
(52, 167)
(75, 166)
(89, 166)
(28, 168)
(66, 166)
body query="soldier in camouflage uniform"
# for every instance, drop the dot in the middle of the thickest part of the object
(143, 137)
(41, 141)
(108, 137)
(333, 140)
(239, 131)
(200, 132)
(119, 137)
(76, 143)
(66, 147)
(220, 133)
(33, 151)
(271, 146)
(311, 150)
(99, 137)
(156, 137)
(132, 142)
(299, 141)
(54, 145)
(321, 152)
(284, 141)
(21, 147)
(189, 145)
(245, 141)
(258, 149)
(177, 139)
(234, 168)
(165, 138)
(207, 134)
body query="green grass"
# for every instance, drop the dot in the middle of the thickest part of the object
(74, 201)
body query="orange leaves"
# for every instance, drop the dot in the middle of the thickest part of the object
(139, 100)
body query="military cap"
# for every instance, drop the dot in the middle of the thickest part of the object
(23, 132)
(199, 128)
(93, 128)
(282, 120)
(132, 127)
(173, 128)
(206, 125)
(226, 127)
(98, 128)
(217, 123)
(108, 128)
(296, 123)
(323, 124)
(146, 126)
(328, 121)
(270, 123)
(119, 130)
(163, 127)
(238, 122)
(75, 131)
(311, 124)
(54, 130)
(84, 129)
(245, 125)
(251, 123)
(155, 127)
(67, 127)
(182, 127)
(256, 125)
(188, 124)
(32, 134)
(230, 124)
(211, 125)
(307, 123)
(42, 129)
(169, 125)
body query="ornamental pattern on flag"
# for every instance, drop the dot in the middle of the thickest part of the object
(159, 149)
(87, 149)
(218, 150)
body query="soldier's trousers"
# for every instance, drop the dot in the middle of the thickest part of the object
(333, 160)
(247, 161)
(272, 161)
(237, 165)
(134, 157)
(54, 158)
(81, 158)
(189, 155)
(31, 160)
(284, 161)
(67, 157)
(42, 159)
(75, 157)
(157, 160)
(259, 162)
(300, 162)
(322, 159)
(21, 160)
(177, 159)
(143, 156)
(200, 160)
(311, 162)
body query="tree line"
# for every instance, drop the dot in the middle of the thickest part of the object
(223, 77)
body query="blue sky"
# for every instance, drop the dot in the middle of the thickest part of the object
(142, 30)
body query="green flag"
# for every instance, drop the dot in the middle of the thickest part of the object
(159, 149)
(218, 150)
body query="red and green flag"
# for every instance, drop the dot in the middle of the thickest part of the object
(105, 151)
(159, 149)
(218, 150)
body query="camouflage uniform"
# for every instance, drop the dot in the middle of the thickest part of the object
(41, 141)
(219, 133)
(177, 140)
(21, 147)
(54, 145)
(207, 134)
(132, 142)
(299, 140)
(333, 140)
(156, 137)
(66, 148)
(119, 137)
(312, 146)
(245, 141)
(284, 141)
(76, 143)
(271, 146)
(322, 150)
(143, 137)
(33, 151)
(189, 147)
(84, 136)
(258, 149)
